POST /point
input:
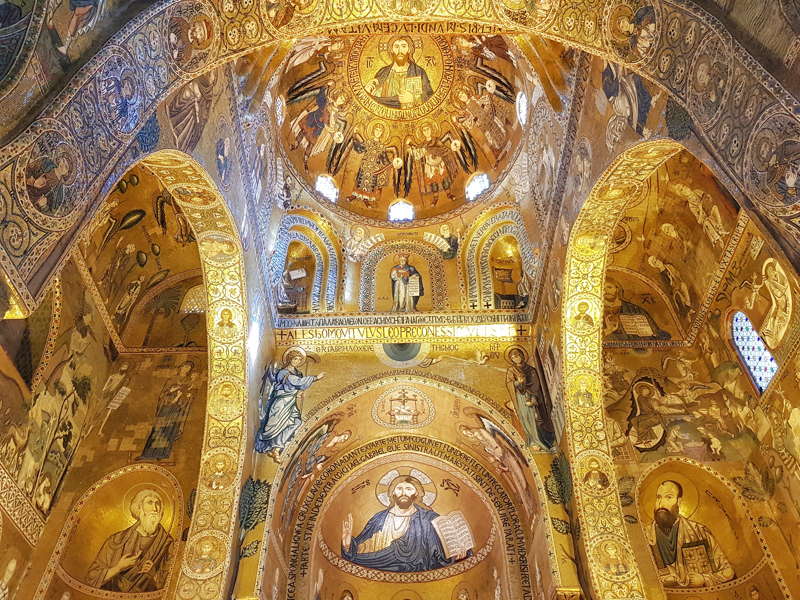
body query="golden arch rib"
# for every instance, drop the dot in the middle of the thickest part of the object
(215, 510)
(600, 514)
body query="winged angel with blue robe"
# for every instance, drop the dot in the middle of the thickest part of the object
(281, 394)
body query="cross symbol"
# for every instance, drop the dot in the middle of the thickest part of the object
(473, 305)
(487, 304)
(521, 330)
(282, 334)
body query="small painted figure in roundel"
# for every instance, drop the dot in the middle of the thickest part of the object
(187, 36)
(783, 172)
(49, 177)
(633, 30)
(281, 12)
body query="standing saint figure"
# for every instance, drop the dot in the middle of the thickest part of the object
(315, 127)
(401, 538)
(435, 164)
(480, 114)
(685, 551)
(136, 559)
(532, 406)
(377, 162)
(172, 411)
(402, 84)
(406, 286)
(281, 393)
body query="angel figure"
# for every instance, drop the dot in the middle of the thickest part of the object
(316, 448)
(434, 164)
(281, 394)
(354, 245)
(777, 318)
(502, 451)
(377, 162)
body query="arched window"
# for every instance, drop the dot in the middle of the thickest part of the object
(326, 186)
(522, 108)
(753, 351)
(476, 185)
(401, 210)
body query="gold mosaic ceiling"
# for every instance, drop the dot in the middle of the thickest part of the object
(369, 121)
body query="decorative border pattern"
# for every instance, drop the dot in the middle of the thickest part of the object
(19, 508)
(52, 334)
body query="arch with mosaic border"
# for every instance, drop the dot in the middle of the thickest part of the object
(317, 414)
(226, 416)
(474, 255)
(321, 241)
(600, 514)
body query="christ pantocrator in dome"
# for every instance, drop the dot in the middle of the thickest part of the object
(403, 83)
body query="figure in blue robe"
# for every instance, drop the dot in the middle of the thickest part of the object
(280, 416)
(10, 13)
(418, 549)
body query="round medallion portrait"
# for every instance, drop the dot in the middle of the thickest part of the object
(400, 77)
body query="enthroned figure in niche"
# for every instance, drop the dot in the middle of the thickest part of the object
(685, 551)
(135, 559)
(407, 287)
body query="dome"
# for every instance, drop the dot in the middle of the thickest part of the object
(427, 120)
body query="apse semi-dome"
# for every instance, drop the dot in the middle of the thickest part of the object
(391, 118)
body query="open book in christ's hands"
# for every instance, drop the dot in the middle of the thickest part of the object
(454, 533)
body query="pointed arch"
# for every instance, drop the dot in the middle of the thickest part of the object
(474, 259)
(600, 514)
(317, 234)
(214, 512)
